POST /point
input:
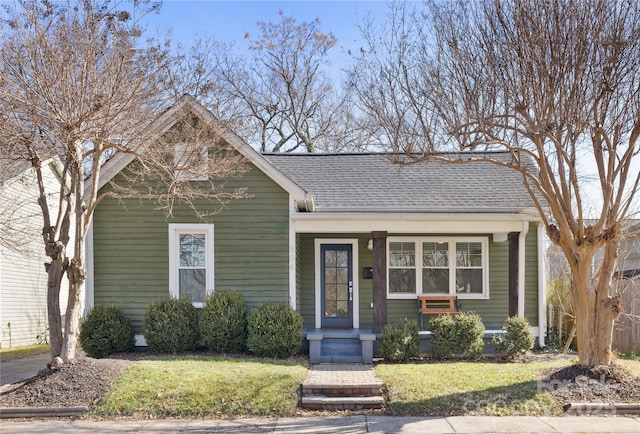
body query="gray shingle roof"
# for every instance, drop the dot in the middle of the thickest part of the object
(373, 183)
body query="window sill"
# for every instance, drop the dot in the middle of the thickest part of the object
(461, 296)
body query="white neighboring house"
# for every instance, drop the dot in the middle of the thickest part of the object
(23, 279)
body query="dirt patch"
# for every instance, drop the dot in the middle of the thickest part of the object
(83, 382)
(602, 384)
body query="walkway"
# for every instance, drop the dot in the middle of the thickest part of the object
(342, 386)
(330, 375)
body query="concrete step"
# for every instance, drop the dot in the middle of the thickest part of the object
(319, 402)
(339, 350)
(341, 347)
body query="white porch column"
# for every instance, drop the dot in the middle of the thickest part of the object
(522, 241)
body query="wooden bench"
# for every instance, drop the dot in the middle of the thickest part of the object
(437, 305)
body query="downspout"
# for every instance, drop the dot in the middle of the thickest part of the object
(292, 259)
(542, 288)
(522, 239)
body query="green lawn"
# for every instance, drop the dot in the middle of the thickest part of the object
(470, 388)
(206, 386)
(7, 354)
(190, 386)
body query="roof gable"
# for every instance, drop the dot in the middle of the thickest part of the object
(171, 116)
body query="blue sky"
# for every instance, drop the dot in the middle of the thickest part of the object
(229, 21)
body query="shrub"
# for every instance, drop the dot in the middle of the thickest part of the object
(223, 322)
(400, 341)
(518, 338)
(275, 330)
(470, 334)
(170, 325)
(454, 334)
(443, 336)
(106, 330)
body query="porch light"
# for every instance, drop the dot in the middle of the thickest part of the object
(370, 244)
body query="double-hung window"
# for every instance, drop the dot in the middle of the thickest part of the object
(402, 267)
(191, 261)
(452, 265)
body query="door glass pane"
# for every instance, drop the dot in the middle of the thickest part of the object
(342, 292)
(343, 275)
(342, 308)
(330, 291)
(330, 275)
(342, 258)
(330, 258)
(330, 309)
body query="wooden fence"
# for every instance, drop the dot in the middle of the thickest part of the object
(626, 333)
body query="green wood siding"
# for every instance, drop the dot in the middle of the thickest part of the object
(251, 241)
(306, 278)
(493, 310)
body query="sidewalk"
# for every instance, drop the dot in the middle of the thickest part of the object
(342, 425)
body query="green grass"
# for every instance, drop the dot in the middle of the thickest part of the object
(205, 386)
(7, 354)
(630, 356)
(469, 388)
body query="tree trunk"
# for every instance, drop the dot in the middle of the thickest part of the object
(72, 318)
(595, 310)
(76, 271)
(55, 273)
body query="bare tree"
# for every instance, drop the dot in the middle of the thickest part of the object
(278, 98)
(77, 82)
(197, 70)
(556, 84)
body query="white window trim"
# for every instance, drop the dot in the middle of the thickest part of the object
(484, 242)
(175, 230)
